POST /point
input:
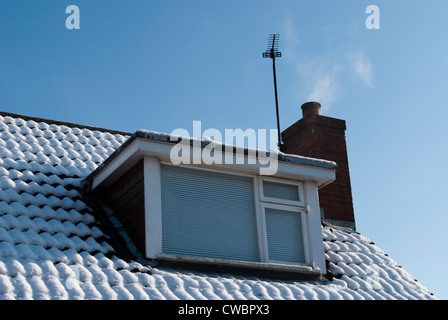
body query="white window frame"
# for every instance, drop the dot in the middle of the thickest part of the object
(288, 205)
(305, 239)
(300, 203)
(307, 194)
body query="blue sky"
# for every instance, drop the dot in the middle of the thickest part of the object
(160, 65)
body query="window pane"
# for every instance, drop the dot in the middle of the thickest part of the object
(284, 234)
(208, 214)
(281, 191)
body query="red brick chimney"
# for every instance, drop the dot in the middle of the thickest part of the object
(322, 137)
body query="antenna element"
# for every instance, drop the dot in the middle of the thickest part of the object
(272, 52)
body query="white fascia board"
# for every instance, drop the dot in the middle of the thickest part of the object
(238, 162)
(119, 165)
(321, 176)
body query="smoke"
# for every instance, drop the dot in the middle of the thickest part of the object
(361, 66)
(324, 91)
(326, 75)
(325, 86)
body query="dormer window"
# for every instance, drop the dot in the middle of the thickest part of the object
(225, 215)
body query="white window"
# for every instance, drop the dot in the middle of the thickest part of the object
(286, 234)
(284, 223)
(215, 216)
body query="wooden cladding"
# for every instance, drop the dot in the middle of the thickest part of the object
(126, 198)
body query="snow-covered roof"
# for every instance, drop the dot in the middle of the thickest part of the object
(55, 245)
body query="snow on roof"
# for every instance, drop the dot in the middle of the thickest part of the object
(54, 246)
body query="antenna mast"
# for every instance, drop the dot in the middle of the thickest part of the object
(273, 53)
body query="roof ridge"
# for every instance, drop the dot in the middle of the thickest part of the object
(65, 123)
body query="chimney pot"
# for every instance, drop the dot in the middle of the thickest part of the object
(310, 108)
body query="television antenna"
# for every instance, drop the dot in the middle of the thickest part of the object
(272, 52)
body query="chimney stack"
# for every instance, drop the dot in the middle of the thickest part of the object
(323, 137)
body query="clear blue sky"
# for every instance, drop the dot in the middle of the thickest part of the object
(160, 65)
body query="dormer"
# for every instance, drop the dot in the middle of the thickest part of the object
(221, 205)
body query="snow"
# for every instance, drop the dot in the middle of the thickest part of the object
(6, 183)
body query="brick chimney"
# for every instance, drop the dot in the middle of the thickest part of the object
(322, 137)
